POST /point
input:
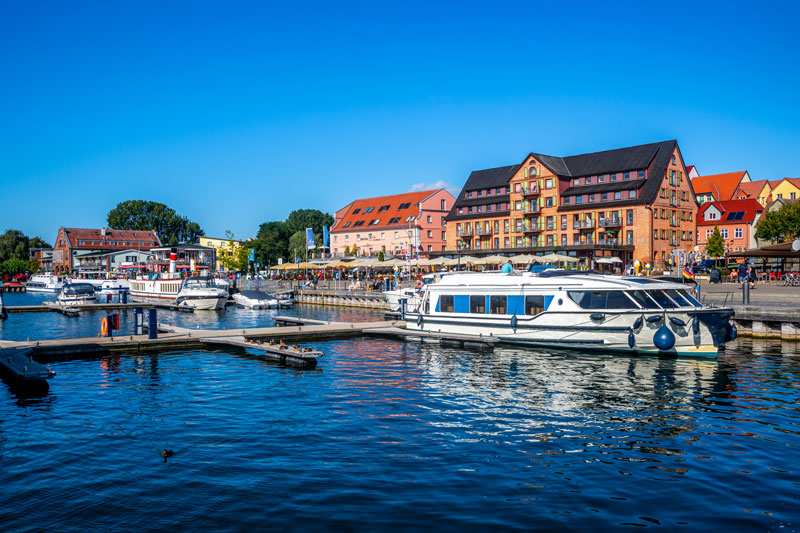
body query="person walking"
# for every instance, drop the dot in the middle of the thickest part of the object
(742, 272)
(751, 276)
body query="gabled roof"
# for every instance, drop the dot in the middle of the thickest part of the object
(384, 209)
(730, 210)
(133, 238)
(722, 186)
(752, 188)
(490, 177)
(616, 160)
(689, 168)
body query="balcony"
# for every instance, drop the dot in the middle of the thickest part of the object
(610, 223)
(533, 228)
(531, 191)
(531, 210)
(484, 231)
(464, 233)
(583, 224)
(608, 242)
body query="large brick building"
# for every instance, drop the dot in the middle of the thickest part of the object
(634, 203)
(395, 225)
(71, 241)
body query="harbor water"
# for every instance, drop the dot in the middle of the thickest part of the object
(386, 435)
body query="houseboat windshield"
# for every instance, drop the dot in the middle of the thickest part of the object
(601, 299)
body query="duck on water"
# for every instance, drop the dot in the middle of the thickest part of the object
(574, 309)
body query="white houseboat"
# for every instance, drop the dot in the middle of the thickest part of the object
(45, 283)
(573, 309)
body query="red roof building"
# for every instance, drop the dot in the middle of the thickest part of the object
(736, 220)
(395, 225)
(70, 241)
(718, 187)
(757, 190)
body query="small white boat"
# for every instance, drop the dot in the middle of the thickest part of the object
(412, 295)
(114, 287)
(201, 293)
(45, 283)
(76, 293)
(255, 300)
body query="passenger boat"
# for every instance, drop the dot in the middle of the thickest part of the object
(45, 283)
(76, 293)
(576, 310)
(155, 287)
(255, 300)
(201, 293)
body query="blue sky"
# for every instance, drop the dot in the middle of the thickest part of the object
(235, 113)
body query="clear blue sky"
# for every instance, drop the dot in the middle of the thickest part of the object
(235, 113)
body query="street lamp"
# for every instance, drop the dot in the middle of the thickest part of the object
(458, 249)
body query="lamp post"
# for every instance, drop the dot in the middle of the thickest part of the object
(458, 250)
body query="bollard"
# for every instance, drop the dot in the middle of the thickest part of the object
(123, 295)
(402, 308)
(152, 325)
(108, 298)
(138, 320)
(745, 292)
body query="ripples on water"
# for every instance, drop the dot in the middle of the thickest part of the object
(385, 435)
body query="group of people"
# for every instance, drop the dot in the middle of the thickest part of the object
(747, 273)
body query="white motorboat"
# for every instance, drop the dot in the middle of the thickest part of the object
(576, 310)
(45, 283)
(76, 293)
(412, 295)
(201, 293)
(255, 300)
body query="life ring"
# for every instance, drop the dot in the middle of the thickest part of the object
(104, 327)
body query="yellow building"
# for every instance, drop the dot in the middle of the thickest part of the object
(223, 247)
(788, 189)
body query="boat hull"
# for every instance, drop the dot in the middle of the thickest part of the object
(202, 303)
(696, 333)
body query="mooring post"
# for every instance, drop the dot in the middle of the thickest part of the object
(745, 292)
(152, 326)
(138, 320)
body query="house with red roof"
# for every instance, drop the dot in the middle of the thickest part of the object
(757, 190)
(72, 243)
(718, 187)
(691, 172)
(401, 224)
(736, 220)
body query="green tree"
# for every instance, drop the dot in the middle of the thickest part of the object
(234, 255)
(144, 215)
(297, 245)
(301, 219)
(346, 251)
(271, 242)
(782, 225)
(16, 245)
(14, 266)
(380, 255)
(715, 247)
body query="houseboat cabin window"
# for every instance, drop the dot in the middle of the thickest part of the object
(601, 299)
(446, 304)
(644, 300)
(662, 299)
(497, 305)
(477, 304)
(534, 305)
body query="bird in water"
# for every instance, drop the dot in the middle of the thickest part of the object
(167, 453)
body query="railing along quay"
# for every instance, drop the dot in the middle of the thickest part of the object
(367, 299)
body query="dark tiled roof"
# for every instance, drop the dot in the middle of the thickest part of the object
(484, 179)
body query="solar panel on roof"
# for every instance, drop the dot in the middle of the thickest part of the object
(736, 215)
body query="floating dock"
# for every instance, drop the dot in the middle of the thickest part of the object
(52, 306)
(18, 364)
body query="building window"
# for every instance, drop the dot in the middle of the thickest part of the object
(548, 202)
(578, 199)
(629, 217)
(613, 176)
(617, 195)
(737, 232)
(673, 159)
(626, 176)
(724, 233)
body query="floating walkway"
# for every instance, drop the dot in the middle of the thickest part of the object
(52, 306)
(18, 364)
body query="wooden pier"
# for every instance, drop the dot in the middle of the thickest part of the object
(371, 300)
(181, 338)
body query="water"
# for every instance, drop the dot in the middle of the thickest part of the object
(391, 435)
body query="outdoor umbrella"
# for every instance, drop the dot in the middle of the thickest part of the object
(492, 260)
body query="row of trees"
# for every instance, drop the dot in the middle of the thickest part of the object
(287, 239)
(15, 249)
(141, 215)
